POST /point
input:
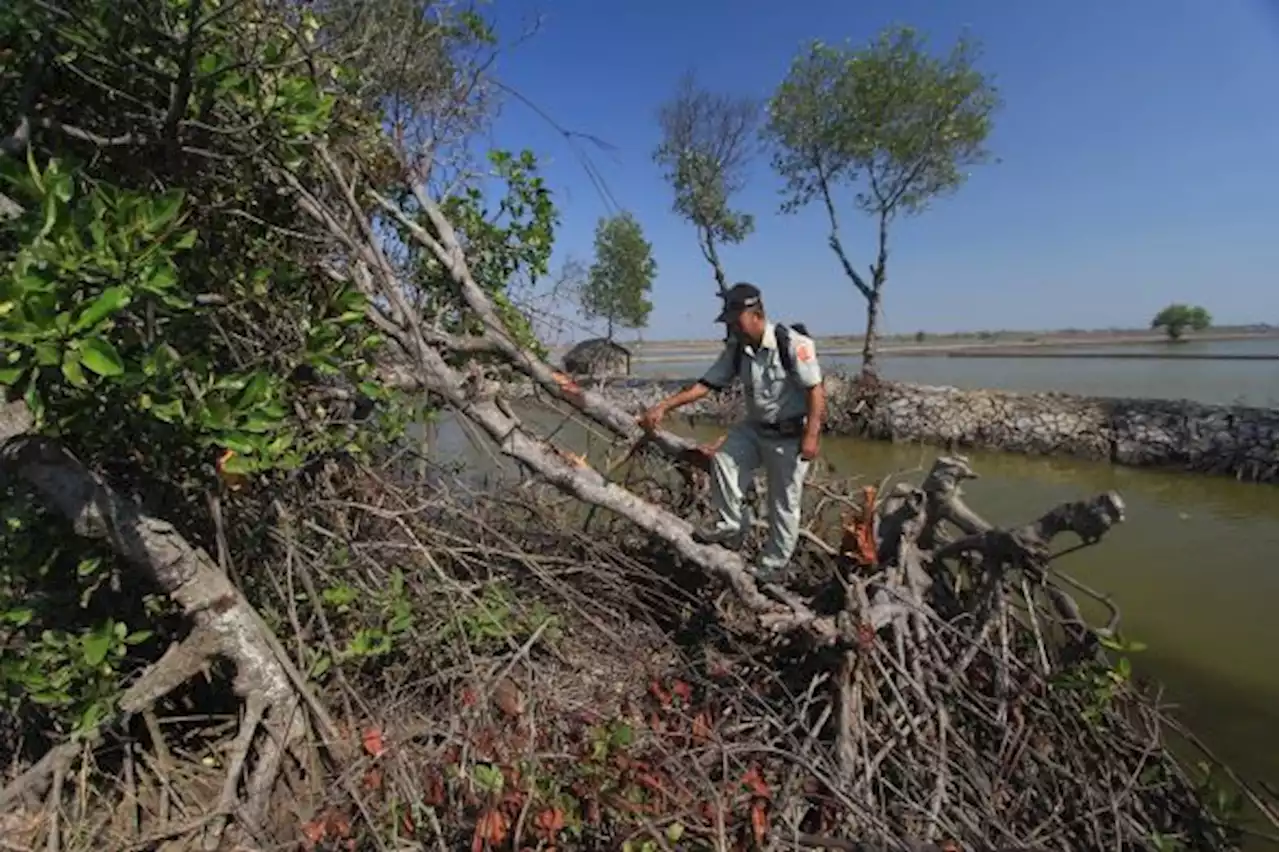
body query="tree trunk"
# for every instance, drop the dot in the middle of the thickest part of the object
(873, 293)
(869, 365)
(708, 245)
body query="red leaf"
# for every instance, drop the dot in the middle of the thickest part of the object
(755, 782)
(407, 821)
(550, 822)
(434, 794)
(759, 822)
(338, 824)
(662, 696)
(683, 690)
(645, 779)
(312, 833)
(701, 726)
(373, 742)
(373, 779)
(492, 826)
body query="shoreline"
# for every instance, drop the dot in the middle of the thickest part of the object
(1193, 437)
(1012, 346)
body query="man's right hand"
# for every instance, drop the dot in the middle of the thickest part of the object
(652, 418)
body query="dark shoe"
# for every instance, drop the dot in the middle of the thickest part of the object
(731, 539)
(767, 575)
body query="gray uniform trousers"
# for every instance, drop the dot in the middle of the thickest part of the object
(732, 469)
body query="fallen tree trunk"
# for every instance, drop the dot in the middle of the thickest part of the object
(934, 669)
(482, 403)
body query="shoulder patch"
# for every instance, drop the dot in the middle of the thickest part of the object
(804, 351)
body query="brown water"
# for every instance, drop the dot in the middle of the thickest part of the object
(1191, 569)
(1221, 382)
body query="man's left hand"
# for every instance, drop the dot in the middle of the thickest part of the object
(809, 447)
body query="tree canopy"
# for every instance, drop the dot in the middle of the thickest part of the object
(889, 122)
(618, 283)
(1177, 319)
(708, 141)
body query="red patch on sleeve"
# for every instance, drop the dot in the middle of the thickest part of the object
(804, 352)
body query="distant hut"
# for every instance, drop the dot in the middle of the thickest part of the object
(598, 357)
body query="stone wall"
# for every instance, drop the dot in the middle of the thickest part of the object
(1233, 440)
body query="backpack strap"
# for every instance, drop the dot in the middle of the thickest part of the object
(783, 334)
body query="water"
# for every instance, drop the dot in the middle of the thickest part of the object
(1191, 569)
(1220, 382)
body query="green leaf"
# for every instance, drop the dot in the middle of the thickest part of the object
(71, 369)
(96, 645)
(108, 302)
(167, 412)
(254, 390)
(11, 375)
(101, 357)
(161, 277)
(164, 209)
(186, 241)
(33, 399)
(238, 463)
(621, 736)
(18, 617)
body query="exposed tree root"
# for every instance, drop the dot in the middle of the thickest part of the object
(224, 624)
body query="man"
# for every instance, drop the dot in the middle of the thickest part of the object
(778, 367)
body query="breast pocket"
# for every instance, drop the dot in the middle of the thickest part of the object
(775, 379)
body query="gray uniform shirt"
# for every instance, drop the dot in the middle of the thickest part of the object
(773, 396)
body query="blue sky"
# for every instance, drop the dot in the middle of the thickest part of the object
(1135, 154)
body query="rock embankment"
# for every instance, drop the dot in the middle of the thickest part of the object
(1236, 441)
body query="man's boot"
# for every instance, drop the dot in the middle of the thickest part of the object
(732, 539)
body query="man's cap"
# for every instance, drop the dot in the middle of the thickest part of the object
(741, 297)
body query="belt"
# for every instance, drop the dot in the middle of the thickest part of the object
(792, 428)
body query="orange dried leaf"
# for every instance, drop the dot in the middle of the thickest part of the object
(372, 740)
(857, 541)
(755, 782)
(312, 833)
(338, 825)
(550, 822)
(491, 828)
(759, 822)
(702, 726)
(233, 481)
(567, 385)
(373, 779)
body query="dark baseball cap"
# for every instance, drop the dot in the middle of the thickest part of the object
(741, 297)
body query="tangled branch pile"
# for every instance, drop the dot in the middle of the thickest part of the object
(224, 623)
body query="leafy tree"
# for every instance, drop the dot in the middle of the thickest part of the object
(168, 316)
(893, 123)
(1177, 319)
(708, 140)
(621, 277)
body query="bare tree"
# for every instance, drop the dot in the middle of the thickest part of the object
(708, 141)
